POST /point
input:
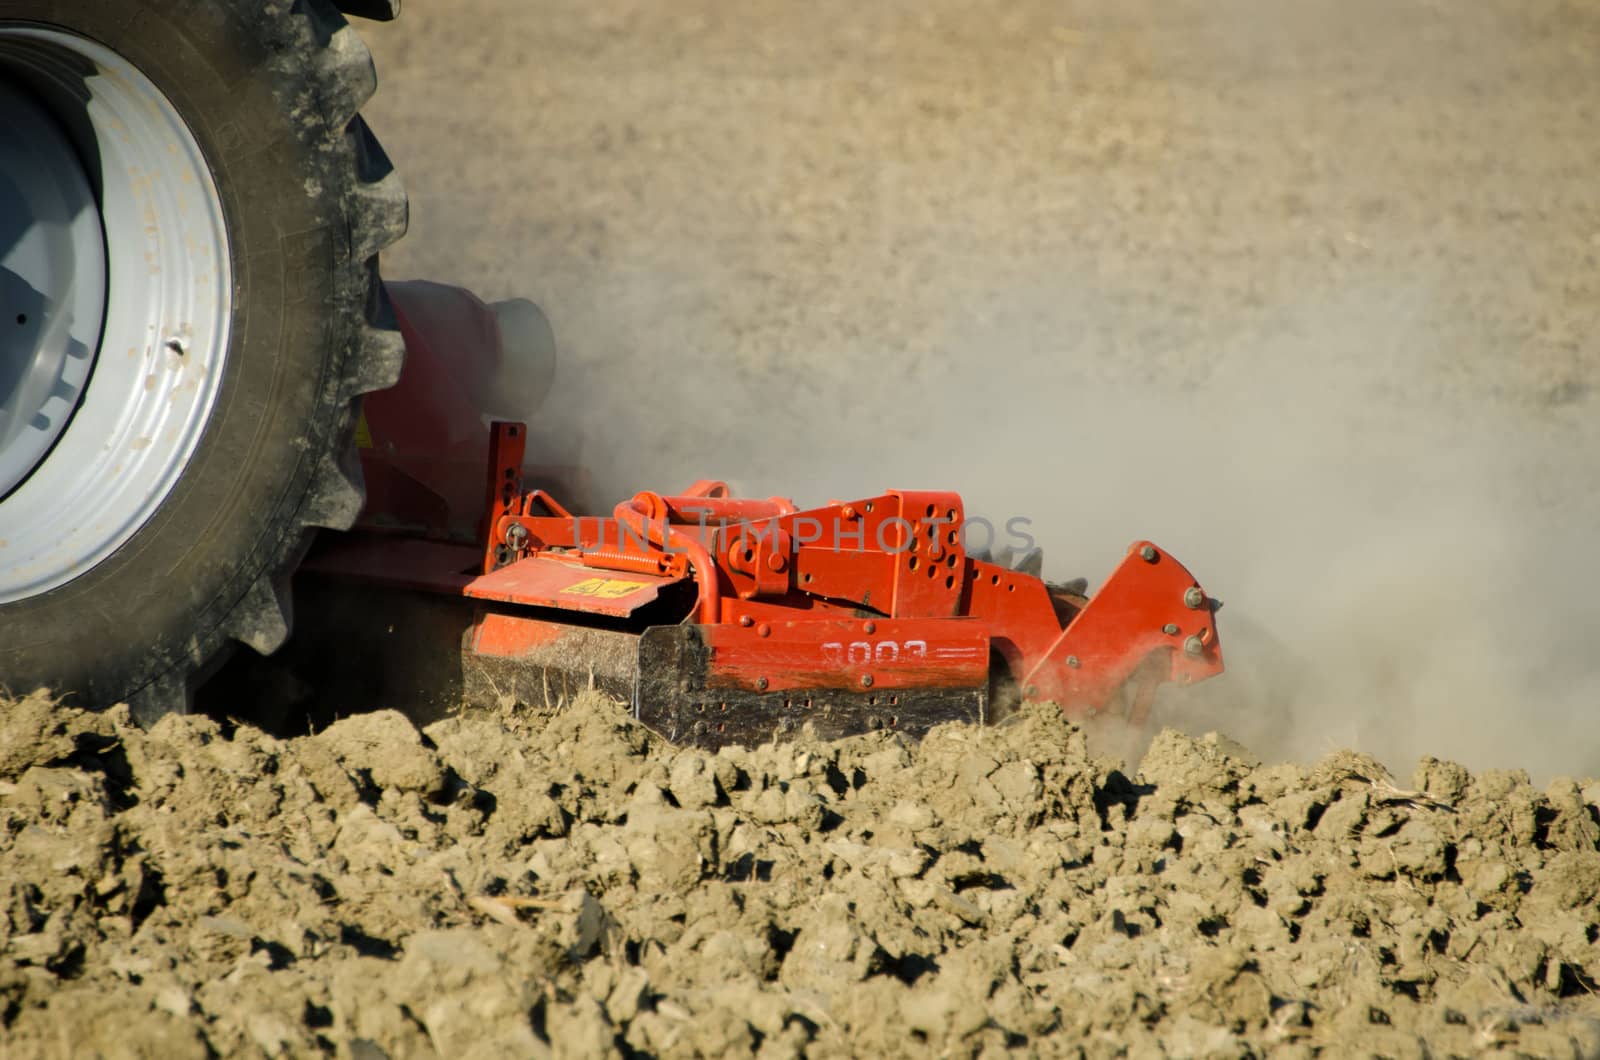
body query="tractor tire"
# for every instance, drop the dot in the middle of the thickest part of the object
(191, 210)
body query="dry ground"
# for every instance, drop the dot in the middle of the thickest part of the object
(527, 885)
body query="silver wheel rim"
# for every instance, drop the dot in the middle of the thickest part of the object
(120, 272)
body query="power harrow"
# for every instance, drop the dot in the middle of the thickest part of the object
(723, 619)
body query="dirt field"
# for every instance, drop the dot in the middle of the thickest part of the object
(524, 886)
(1306, 294)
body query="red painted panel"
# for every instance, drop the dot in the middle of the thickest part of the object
(541, 581)
(510, 636)
(880, 654)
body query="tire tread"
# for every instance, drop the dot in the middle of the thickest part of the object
(377, 211)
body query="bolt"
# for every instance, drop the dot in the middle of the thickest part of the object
(866, 680)
(761, 684)
(870, 627)
(1170, 629)
(746, 621)
(1194, 646)
(516, 535)
(1193, 598)
(1148, 552)
(849, 511)
(764, 630)
(775, 562)
(1072, 662)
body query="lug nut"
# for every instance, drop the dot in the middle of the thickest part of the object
(1148, 553)
(1193, 598)
(1194, 646)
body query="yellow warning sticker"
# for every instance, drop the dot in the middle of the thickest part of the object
(604, 588)
(363, 432)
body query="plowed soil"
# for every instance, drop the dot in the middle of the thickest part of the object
(568, 885)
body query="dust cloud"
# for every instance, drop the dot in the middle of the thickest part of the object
(1307, 297)
(1404, 572)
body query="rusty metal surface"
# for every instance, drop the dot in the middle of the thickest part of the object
(676, 700)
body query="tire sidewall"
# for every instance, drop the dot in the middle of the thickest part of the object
(235, 71)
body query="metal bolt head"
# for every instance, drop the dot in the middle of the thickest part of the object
(1193, 598)
(764, 630)
(761, 684)
(1072, 662)
(516, 535)
(866, 680)
(1194, 646)
(746, 621)
(1148, 553)
(870, 627)
(1170, 629)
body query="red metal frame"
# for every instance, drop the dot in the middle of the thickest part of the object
(877, 593)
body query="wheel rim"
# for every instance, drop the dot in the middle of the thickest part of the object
(114, 254)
